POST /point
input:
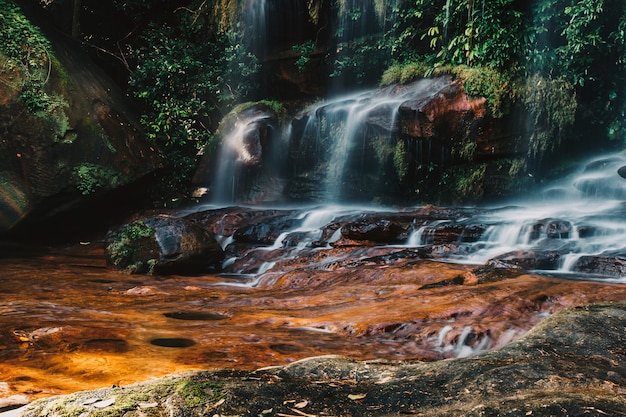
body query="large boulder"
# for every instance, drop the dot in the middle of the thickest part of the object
(443, 115)
(162, 245)
(71, 140)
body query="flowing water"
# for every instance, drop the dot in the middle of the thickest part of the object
(235, 153)
(67, 322)
(341, 127)
(582, 217)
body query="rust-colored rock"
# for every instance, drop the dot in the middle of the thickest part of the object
(443, 116)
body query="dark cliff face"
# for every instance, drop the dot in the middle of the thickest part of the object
(89, 145)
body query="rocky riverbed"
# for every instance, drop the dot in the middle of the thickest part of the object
(572, 364)
(416, 332)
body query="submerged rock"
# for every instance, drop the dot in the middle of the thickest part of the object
(564, 366)
(163, 244)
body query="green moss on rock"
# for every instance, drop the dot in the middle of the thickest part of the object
(131, 245)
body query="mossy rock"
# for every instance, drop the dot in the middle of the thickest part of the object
(163, 245)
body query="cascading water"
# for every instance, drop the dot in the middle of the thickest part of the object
(239, 148)
(577, 225)
(255, 16)
(574, 224)
(345, 127)
(272, 26)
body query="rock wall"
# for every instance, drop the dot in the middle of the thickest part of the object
(53, 162)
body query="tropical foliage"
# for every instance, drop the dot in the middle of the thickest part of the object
(27, 60)
(563, 61)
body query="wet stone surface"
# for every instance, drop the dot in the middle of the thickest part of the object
(563, 367)
(80, 325)
(324, 284)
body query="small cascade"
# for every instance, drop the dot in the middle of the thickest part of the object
(240, 149)
(351, 131)
(271, 26)
(464, 345)
(255, 19)
(358, 22)
(578, 226)
(576, 233)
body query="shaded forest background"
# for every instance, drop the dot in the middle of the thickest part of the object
(189, 63)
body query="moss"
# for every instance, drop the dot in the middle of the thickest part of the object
(64, 407)
(231, 118)
(123, 404)
(226, 13)
(497, 87)
(552, 106)
(122, 248)
(401, 160)
(196, 393)
(470, 186)
(405, 73)
(89, 178)
(273, 106)
(30, 69)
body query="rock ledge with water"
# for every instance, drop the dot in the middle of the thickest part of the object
(573, 363)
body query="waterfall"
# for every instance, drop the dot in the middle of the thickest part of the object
(577, 225)
(240, 148)
(272, 25)
(255, 16)
(344, 127)
(446, 22)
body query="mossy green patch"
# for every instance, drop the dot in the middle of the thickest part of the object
(123, 248)
(496, 86)
(122, 405)
(90, 178)
(196, 393)
(31, 62)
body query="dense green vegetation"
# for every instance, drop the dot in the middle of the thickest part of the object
(189, 74)
(27, 63)
(189, 63)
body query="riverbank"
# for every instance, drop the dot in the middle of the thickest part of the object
(572, 364)
(78, 324)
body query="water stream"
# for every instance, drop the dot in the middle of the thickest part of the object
(577, 225)
(341, 127)
(310, 284)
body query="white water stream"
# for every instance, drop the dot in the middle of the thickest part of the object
(345, 120)
(233, 155)
(581, 218)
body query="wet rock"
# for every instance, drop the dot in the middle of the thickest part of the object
(163, 245)
(530, 259)
(601, 164)
(376, 230)
(266, 231)
(243, 169)
(613, 265)
(59, 162)
(551, 228)
(564, 366)
(622, 171)
(445, 233)
(442, 115)
(247, 222)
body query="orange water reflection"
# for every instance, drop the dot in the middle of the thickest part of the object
(68, 323)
